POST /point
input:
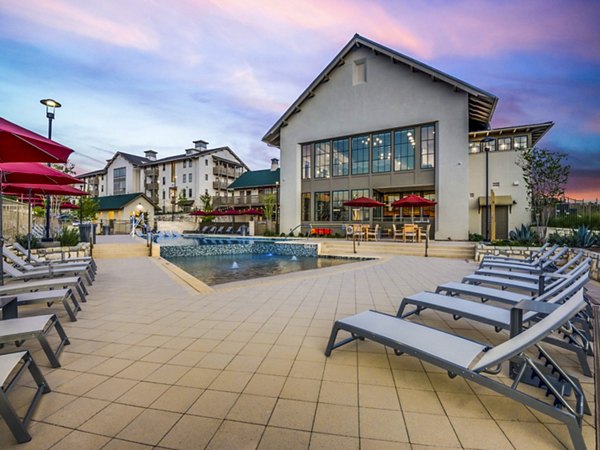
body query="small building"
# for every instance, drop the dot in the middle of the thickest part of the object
(118, 209)
(250, 189)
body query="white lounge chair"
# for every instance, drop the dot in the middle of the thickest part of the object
(37, 261)
(12, 368)
(17, 274)
(473, 360)
(26, 267)
(35, 327)
(75, 283)
(48, 297)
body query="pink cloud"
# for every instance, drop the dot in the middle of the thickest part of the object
(106, 25)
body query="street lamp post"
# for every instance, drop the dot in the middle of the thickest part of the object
(50, 105)
(486, 148)
(277, 208)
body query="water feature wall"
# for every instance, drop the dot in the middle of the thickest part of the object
(236, 247)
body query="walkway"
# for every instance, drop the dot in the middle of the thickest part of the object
(155, 364)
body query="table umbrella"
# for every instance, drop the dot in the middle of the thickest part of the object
(39, 189)
(362, 202)
(413, 200)
(18, 144)
(30, 173)
(68, 205)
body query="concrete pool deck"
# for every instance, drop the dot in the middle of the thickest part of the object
(155, 364)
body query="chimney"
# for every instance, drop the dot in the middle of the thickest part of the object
(200, 145)
(274, 164)
(150, 154)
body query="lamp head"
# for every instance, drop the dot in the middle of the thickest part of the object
(50, 105)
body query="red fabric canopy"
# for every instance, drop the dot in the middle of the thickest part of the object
(363, 202)
(205, 213)
(68, 205)
(41, 189)
(17, 144)
(252, 212)
(413, 200)
(35, 173)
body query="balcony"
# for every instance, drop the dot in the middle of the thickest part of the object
(220, 185)
(244, 200)
(152, 186)
(224, 172)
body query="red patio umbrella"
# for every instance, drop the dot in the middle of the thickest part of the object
(68, 205)
(252, 212)
(19, 172)
(413, 200)
(363, 202)
(18, 144)
(40, 189)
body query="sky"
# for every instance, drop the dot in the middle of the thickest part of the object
(135, 75)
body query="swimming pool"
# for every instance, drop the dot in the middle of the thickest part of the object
(219, 269)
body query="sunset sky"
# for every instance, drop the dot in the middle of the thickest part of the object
(134, 75)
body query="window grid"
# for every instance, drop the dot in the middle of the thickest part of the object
(322, 159)
(341, 157)
(382, 152)
(504, 144)
(428, 147)
(306, 162)
(360, 154)
(322, 206)
(520, 142)
(404, 149)
(339, 211)
(120, 181)
(306, 206)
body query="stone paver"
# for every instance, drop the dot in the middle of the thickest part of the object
(155, 363)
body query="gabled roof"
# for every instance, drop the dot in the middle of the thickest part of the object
(115, 202)
(256, 178)
(132, 159)
(481, 103)
(92, 174)
(537, 130)
(196, 154)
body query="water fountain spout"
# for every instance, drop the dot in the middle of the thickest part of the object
(235, 265)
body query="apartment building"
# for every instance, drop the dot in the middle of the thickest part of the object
(172, 183)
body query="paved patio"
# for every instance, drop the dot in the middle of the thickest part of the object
(154, 364)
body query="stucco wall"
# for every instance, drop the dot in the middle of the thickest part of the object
(393, 96)
(503, 169)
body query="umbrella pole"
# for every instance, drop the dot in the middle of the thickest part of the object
(354, 240)
(29, 228)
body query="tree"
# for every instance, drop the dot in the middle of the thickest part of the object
(206, 200)
(88, 208)
(269, 202)
(545, 174)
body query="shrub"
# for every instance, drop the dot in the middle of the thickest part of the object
(584, 238)
(68, 237)
(521, 235)
(475, 237)
(22, 240)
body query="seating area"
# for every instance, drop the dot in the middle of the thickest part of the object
(243, 366)
(24, 306)
(558, 314)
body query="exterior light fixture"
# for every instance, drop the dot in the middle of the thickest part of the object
(51, 106)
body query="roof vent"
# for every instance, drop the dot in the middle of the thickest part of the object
(200, 145)
(150, 154)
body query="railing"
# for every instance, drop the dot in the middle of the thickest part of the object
(245, 200)
(224, 172)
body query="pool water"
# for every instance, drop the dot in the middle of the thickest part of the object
(219, 269)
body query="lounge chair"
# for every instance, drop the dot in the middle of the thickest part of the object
(212, 230)
(74, 283)
(228, 230)
(220, 229)
(204, 229)
(37, 261)
(26, 267)
(500, 318)
(537, 266)
(38, 327)
(65, 296)
(473, 361)
(12, 367)
(542, 252)
(243, 230)
(17, 274)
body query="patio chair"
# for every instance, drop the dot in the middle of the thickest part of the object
(65, 296)
(537, 266)
(243, 230)
(37, 261)
(12, 368)
(396, 234)
(373, 234)
(204, 229)
(228, 230)
(474, 361)
(75, 283)
(501, 318)
(410, 231)
(26, 267)
(38, 327)
(542, 252)
(17, 274)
